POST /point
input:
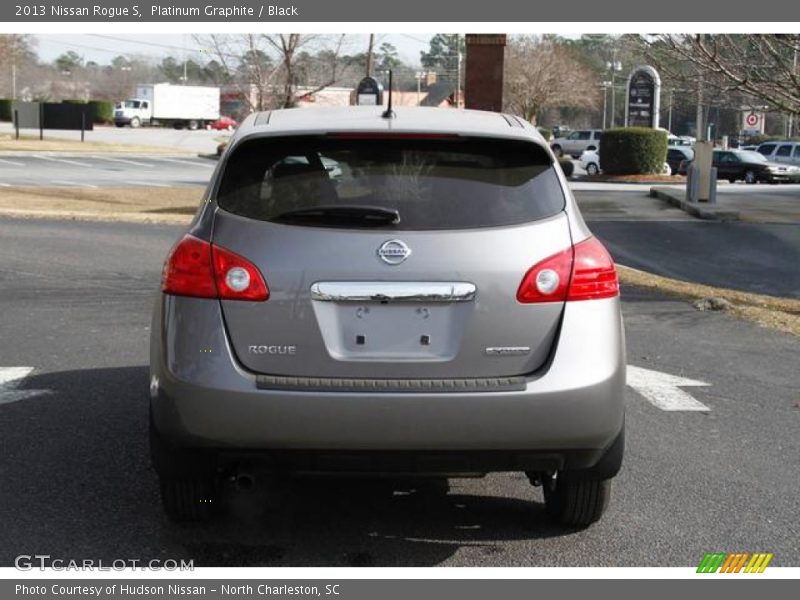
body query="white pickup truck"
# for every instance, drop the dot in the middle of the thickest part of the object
(190, 106)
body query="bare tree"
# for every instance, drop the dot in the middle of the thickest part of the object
(18, 58)
(542, 73)
(762, 67)
(265, 68)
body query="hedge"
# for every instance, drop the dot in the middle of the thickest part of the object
(567, 166)
(5, 109)
(633, 150)
(103, 111)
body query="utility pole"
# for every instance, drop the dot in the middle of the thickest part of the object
(699, 124)
(794, 72)
(369, 54)
(605, 102)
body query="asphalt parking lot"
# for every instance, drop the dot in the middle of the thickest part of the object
(96, 170)
(76, 298)
(202, 141)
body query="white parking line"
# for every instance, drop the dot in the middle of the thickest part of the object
(126, 161)
(10, 379)
(74, 183)
(147, 183)
(183, 162)
(663, 391)
(63, 160)
(12, 162)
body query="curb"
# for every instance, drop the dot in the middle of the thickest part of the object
(675, 198)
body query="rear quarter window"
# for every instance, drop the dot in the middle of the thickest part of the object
(766, 149)
(433, 183)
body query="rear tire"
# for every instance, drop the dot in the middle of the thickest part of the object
(187, 499)
(558, 151)
(193, 125)
(576, 502)
(592, 169)
(187, 479)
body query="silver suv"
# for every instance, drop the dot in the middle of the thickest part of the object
(781, 152)
(577, 142)
(414, 295)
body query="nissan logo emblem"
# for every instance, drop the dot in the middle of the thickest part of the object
(393, 252)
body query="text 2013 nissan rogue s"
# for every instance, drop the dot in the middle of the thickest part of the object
(410, 294)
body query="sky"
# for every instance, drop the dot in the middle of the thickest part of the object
(102, 48)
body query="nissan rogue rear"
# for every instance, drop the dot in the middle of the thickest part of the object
(414, 295)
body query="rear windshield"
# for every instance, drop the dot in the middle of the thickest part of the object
(431, 183)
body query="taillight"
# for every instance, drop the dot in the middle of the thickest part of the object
(582, 272)
(548, 280)
(237, 278)
(188, 270)
(197, 268)
(593, 273)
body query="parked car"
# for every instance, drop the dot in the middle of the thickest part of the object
(437, 308)
(676, 155)
(781, 152)
(748, 166)
(223, 123)
(576, 142)
(590, 162)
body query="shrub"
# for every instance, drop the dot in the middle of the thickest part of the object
(633, 150)
(103, 111)
(5, 109)
(567, 166)
(73, 101)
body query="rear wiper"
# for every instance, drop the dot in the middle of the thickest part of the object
(343, 214)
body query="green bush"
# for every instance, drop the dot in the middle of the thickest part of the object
(103, 111)
(5, 109)
(567, 166)
(760, 139)
(633, 150)
(73, 101)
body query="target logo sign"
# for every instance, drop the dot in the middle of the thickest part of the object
(752, 121)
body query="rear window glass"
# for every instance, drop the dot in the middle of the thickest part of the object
(784, 151)
(766, 149)
(432, 183)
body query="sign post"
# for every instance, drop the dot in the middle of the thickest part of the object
(369, 92)
(643, 101)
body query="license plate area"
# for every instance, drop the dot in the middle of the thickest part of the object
(394, 328)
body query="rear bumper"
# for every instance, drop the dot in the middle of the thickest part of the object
(574, 408)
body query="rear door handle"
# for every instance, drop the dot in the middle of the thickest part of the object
(391, 291)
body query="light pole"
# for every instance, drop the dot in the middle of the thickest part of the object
(458, 71)
(419, 75)
(605, 85)
(794, 72)
(614, 66)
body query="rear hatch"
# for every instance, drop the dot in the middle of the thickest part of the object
(391, 256)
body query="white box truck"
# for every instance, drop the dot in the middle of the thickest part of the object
(179, 106)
